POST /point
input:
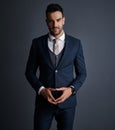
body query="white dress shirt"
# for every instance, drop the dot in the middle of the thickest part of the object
(60, 42)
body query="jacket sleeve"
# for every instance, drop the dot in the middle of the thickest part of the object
(80, 69)
(31, 67)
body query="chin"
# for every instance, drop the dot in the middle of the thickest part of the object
(55, 34)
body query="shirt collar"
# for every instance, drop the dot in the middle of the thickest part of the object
(62, 37)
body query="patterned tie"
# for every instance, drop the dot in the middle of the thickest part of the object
(55, 47)
(55, 51)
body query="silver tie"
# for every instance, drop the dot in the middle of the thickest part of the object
(55, 47)
(55, 51)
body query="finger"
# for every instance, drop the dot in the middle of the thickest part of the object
(47, 94)
(51, 101)
(52, 89)
(51, 96)
(60, 89)
(60, 99)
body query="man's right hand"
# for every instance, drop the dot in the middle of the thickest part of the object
(47, 94)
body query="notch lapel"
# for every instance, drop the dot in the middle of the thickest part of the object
(46, 52)
(65, 53)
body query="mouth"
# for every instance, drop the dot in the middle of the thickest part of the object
(55, 28)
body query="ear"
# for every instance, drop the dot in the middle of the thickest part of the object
(63, 20)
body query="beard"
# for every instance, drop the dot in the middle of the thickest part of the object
(55, 31)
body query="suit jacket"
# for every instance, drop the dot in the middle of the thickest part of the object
(61, 76)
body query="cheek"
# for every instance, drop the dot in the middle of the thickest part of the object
(61, 25)
(49, 25)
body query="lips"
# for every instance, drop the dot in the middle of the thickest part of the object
(55, 28)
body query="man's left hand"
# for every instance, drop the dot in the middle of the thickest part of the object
(66, 93)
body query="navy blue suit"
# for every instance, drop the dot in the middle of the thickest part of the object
(60, 76)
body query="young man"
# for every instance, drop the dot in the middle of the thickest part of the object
(57, 55)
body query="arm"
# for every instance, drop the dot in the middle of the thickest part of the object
(31, 67)
(80, 69)
(30, 73)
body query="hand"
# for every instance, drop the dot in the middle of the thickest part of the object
(47, 94)
(66, 93)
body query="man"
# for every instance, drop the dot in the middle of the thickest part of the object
(57, 55)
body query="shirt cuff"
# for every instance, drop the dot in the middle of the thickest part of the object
(72, 86)
(42, 87)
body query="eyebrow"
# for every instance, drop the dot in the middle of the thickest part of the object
(59, 19)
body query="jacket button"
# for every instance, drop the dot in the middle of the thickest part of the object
(56, 71)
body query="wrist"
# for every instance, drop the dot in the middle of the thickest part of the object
(73, 90)
(40, 90)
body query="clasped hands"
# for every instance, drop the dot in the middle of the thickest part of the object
(47, 94)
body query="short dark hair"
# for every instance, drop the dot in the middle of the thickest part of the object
(54, 7)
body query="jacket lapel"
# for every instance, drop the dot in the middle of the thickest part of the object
(65, 53)
(46, 52)
(47, 55)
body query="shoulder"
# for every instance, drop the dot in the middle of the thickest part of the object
(41, 38)
(39, 41)
(73, 40)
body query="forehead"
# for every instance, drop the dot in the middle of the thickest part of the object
(54, 15)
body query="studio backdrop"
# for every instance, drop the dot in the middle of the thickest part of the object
(91, 21)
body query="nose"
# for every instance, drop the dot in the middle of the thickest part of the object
(55, 24)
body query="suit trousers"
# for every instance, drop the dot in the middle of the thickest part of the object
(43, 117)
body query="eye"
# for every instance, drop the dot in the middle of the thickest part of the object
(58, 20)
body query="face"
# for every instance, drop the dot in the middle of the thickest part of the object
(55, 22)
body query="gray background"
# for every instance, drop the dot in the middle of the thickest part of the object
(92, 21)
